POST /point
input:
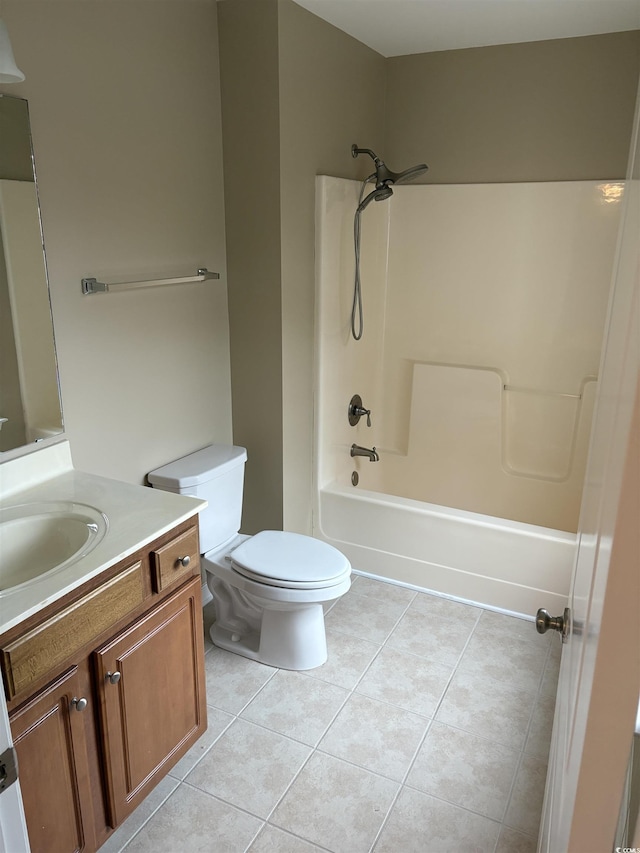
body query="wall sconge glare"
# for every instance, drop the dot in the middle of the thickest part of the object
(611, 193)
(9, 71)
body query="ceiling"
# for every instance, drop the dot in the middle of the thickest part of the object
(400, 27)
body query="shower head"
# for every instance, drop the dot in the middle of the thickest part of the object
(410, 173)
(383, 176)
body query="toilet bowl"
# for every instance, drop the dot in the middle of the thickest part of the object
(269, 590)
(269, 593)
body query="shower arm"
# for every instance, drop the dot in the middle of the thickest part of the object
(355, 151)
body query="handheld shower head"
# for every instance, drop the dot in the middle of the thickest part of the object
(384, 179)
(379, 194)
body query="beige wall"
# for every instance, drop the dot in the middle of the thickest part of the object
(125, 114)
(296, 94)
(558, 110)
(249, 79)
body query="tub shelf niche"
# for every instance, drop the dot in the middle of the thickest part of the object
(541, 429)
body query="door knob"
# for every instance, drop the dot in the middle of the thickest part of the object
(79, 704)
(545, 622)
(112, 677)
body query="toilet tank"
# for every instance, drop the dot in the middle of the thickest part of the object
(214, 474)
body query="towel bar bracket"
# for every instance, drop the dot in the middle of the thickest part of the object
(92, 285)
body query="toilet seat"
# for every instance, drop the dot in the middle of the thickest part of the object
(289, 561)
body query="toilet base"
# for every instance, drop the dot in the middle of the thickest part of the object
(289, 638)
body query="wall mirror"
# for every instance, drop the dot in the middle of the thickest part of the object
(30, 407)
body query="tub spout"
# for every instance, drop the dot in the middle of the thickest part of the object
(372, 455)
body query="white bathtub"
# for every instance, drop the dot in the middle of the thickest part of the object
(501, 564)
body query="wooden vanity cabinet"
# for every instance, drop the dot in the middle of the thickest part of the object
(158, 703)
(50, 742)
(97, 730)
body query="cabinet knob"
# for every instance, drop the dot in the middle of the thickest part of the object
(184, 561)
(78, 704)
(112, 677)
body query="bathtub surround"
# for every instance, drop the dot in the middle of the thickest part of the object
(485, 308)
(484, 313)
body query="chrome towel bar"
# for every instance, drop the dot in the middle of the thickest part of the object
(91, 285)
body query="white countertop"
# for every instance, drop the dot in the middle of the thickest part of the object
(137, 515)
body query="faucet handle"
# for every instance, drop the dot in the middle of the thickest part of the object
(360, 412)
(357, 411)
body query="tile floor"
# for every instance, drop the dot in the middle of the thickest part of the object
(427, 730)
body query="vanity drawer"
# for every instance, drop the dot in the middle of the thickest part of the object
(41, 650)
(176, 561)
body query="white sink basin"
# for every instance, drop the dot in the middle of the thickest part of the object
(43, 537)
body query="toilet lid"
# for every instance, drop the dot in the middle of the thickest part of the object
(289, 560)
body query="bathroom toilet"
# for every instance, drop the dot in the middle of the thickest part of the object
(270, 589)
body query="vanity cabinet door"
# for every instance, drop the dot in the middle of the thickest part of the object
(49, 738)
(152, 697)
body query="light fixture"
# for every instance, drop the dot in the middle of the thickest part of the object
(9, 71)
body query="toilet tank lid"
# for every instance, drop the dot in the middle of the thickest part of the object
(198, 467)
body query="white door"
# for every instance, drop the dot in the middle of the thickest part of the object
(13, 828)
(599, 684)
